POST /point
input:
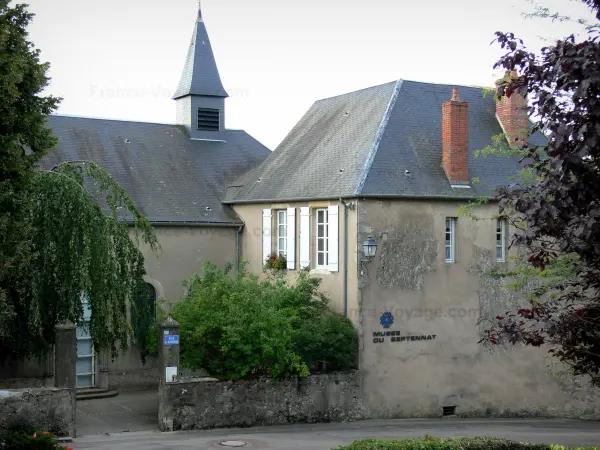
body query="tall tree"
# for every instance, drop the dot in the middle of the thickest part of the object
(63, 230)
(559, 211)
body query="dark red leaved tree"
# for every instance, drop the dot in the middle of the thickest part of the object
(561, 210)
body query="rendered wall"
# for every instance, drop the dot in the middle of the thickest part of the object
(429, 357)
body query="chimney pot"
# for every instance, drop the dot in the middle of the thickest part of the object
(455, 95)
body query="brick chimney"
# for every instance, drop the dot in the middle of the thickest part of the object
(512, 114)
(455, 139)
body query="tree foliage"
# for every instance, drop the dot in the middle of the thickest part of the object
(63, 230)
(541, 11)
(560, 208)
(240, 327)
(23, 142)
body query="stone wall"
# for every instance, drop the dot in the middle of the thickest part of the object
(208, 403)
(49, 408)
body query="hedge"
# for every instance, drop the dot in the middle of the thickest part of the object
(477, 443)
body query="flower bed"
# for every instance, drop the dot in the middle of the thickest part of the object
(22, 438)
(477, 443)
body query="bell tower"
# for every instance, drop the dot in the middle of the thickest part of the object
(201, 96)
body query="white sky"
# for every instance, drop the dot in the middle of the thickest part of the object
(122, 59)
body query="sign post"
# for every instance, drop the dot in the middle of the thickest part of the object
(169, 351)
(168, 364)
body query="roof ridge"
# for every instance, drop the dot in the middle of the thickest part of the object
(407, 80)
(354, 92)
(379, 135)
(450, 84)
(73, 116)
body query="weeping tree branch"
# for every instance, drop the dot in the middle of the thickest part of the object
(62, 233)
(80, 251)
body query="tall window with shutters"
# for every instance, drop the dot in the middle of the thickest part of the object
(282, 232)
(501, 247)
(450, 239)
(322, 238)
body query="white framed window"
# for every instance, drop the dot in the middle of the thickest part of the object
(322, 238)
(501, 247)
(450, 239)
(282, 232)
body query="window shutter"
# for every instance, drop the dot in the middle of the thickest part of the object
(333, 238)
(266, 235)
(304, 237)
(291, 238)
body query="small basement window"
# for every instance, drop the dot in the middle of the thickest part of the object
(209, 119)
(448, 411)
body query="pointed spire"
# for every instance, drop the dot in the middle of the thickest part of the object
(200, 74)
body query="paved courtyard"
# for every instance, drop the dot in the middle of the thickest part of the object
(127, 412)
(330, 436)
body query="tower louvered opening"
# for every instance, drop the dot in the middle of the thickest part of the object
(208, 119)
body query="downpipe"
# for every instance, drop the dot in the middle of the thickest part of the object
(347, 206)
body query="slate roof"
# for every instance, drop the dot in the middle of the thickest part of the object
(200, 74)
(170, 177)
(362, 143)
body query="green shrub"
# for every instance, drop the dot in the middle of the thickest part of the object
(328, 343)
(24, 436)
(430, 443)
(151, 347)
(236, 328)
(240, 327)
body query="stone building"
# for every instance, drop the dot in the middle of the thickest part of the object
(392, 165)
(365, 191)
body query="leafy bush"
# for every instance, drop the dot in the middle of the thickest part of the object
(328, 343)
(430, 443)
(241, 327)
(21, 436)
(150, 348)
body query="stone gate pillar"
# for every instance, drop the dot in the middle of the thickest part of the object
(169, 370)
(65, 360)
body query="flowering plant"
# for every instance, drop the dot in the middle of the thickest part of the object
(21, 435)
(45, 440)
(276, 262)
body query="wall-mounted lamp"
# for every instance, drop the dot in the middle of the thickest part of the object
(370, 249)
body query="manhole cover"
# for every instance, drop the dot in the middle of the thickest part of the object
(232, 443)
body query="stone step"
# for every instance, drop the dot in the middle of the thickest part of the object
(94, 393)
